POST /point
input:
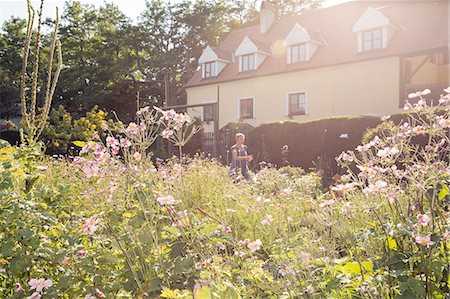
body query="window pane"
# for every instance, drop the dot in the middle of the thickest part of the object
(302, 52)
(251, 62)
(246, 108)
(297, 104)
(377, 34)
(294, 54)
(377, 43)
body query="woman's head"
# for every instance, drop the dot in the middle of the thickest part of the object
(239, 138)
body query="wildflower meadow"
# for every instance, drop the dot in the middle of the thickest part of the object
(116, 222)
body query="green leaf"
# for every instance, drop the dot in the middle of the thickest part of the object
(392, 244)
(127, 215)
(355, 268)
(79, 143)
(203, 293)
(231, 293)
(444, 191)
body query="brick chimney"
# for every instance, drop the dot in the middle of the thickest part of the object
(266, 16)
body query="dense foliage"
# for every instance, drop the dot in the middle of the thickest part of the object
(103, 51)
(113, 224)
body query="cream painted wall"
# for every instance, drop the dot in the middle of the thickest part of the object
(365, 88)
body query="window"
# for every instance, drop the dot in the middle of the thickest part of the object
(297, 104)
(246, 108)
(298, 53)
(209, 69)
(248, 62)
(439, 58)
(208, 113)
(372, 39)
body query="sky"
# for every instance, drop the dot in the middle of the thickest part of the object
(131, 8)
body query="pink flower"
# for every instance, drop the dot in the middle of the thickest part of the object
(99, 293)
(167, 200)
(90, 225)
(89, 296)
(90, 170)
(423, 219)
(111, 141)
(17, 287)
(239, 253)
(132, 128)
(444, 123)
(387, 151)
(226, 229)
(125, 142)
(304, 256)
(35, 295)
(39, 284)
(81, 253)
(137, 156)
(424, 241)
(243, 242)
(268, 219)
(254, 246)
(446, 235)
(65, 261)
(167, 133)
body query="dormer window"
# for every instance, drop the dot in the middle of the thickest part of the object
(251, 54)
(372, 39)
(247, 62)
(301, 45)
(209, 69)
(298, 53)
(213, 61)
(373, 30)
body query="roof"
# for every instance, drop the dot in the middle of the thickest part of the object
(420, 26)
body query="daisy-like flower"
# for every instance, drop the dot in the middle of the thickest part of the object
(254, 246)
(423, 219)
(132, 128)
(90, 225)
(137, 156)
(111, 141)
(167, 200)
(166, 133)
(268, 219)
(304, 256)
(419, 93)
(39, 284)
(424, 241)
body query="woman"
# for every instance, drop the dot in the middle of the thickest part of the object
(240, 158)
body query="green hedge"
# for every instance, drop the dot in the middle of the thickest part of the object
(308, 141)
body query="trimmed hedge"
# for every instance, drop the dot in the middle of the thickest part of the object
(312, 144)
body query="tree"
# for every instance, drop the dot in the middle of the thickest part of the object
(11, 44)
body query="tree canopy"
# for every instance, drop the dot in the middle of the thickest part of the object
(103, 49)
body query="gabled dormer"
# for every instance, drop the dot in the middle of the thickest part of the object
(251, 54)
(374, 30)
(300, 45)
(213, 61)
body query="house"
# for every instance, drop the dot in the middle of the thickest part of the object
(356, 58)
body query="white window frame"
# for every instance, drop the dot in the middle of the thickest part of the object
(239, 107)
(371, 40)
(212, 70)
(288, 104)
(298, 57)
(244, 61)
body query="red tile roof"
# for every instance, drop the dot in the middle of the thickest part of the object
(421, 25)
